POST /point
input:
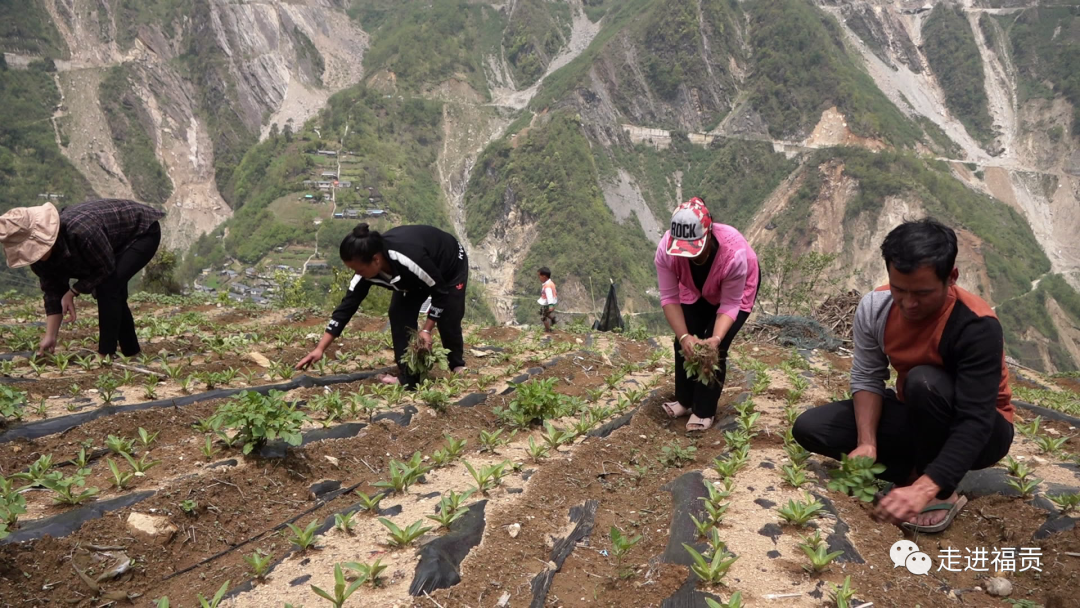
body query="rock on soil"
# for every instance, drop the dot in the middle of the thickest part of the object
(998, 586)
(154, 526)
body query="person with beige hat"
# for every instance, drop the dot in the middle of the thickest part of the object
(100, 244)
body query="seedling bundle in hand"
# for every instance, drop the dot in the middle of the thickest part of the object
(420, 360)
(856, 477)
(702, 362)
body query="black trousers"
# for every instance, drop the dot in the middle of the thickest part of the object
(700, 321)
(910, 434)
(115, 323)
(404, 314)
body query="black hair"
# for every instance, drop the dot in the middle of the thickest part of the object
(918, 243)
(545, 272)
(362, 244)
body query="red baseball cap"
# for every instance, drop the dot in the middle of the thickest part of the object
(690, 226)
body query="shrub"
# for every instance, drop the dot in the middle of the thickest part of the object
(535, 401)
(261, 418)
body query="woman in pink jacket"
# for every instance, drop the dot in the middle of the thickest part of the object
(708, 277)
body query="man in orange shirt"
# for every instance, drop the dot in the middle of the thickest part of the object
(951, 412)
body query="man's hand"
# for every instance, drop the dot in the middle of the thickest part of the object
(425, 340)
(903, 504)
(313, 357)
(67, 304)
(47, 345)
(865, 450)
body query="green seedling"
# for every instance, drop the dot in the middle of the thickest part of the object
(68, 490)
(342, 591)
(368, 572)
(362, 404)
(86, 363)
(702, 525)
(1066, 503)
(818, 553)
(120, 478)
(857, 476)
(1017, 468)
(727, 467)
(81, 460)
(261, 418)
(74, 390)
(441, 458)
(404, 474)
(404, 537)
(488, 477)
(344, 521)
(173, 372)
(370, 504)
(735, 601)
(746, 423)
(455, 447)
(583, 425)
(208, 448)
(142, 465)
(150, 390)
(674, 455)
(107, 386)
(715, 510)
(216, 601)
(797, 453)
(537, 450)
(120, 445)
(1050, 445)
(594, 394)
(12, 503)
(304, 537)
(794, 475)
(435, 399)
(448, 513)
(620, 546)
(147, 438)
(554, 437)
(799, 513)
(37, 472)
(491, 442)
(712, 570)
(259, 563)
(1025, 485)
(843, 594)
(189, 506)
(1030, 429)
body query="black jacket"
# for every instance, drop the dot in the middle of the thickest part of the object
(422, 258)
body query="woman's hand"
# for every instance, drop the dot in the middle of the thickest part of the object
(425, 339)
(313, 357)
(67, 304)
(713, 342)
(689, 341)
(47, 345)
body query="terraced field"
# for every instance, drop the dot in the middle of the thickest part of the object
(547, 475)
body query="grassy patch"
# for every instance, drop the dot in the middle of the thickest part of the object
(30, 162)
(733, 177)
(131, 14)
(802, 68)
(128, 120)
(551, 177)
(1046, 49)
(950, 48)
(427, 42)
(537, 30)
(27, 28)
(1013, 256)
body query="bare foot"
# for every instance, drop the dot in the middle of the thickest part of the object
(933, 517)
(388, 379)
(459, 369)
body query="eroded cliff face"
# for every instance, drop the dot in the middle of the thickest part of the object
(210, 78)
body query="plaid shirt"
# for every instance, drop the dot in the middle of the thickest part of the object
(91, 235)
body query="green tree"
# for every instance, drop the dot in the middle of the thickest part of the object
(794, 283)
(159, 274)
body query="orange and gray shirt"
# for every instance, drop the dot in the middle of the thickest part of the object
(964, 339)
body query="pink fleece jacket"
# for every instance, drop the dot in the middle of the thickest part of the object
(732, 282)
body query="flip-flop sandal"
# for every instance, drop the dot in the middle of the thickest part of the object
(704, 424)
(669, 409)
(952, 508)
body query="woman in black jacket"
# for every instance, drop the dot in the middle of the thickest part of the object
(415, 262)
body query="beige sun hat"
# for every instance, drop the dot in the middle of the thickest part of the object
(28, 233)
